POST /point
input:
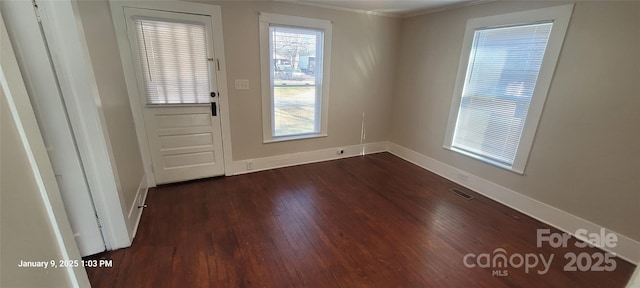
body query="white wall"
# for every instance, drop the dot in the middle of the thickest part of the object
(26, 231)
(585, 157)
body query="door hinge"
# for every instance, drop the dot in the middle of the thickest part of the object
(217, 62)
(99, 224)
(37, 10)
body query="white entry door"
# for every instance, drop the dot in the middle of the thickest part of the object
(176, 67)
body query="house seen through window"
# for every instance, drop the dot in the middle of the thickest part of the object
(295, 75)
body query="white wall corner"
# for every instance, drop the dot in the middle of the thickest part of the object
(626, 248)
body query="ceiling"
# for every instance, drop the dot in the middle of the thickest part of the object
(397, 7)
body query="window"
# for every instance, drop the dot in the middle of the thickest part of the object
(295, 64)
(503, 79)
(174, 61)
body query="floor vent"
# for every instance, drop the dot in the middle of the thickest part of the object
(461, 193)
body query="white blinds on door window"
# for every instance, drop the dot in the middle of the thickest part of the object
(501, 75)
(174, 61)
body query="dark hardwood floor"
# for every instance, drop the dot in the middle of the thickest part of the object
(372, 221)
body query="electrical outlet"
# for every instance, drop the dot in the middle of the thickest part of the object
(249, 165)
(340, 151)
(242, 84)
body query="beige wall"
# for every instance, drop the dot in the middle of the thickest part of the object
(105, 58)
(585, 157)
(26, 231)
(362, 72)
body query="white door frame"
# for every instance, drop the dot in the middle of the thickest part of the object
(70, 56)
(33, 56)
(22, 112)
(119, 21)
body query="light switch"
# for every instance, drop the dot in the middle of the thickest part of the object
(242, 84)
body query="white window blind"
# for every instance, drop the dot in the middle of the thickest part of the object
(503, 68)
(174, 61)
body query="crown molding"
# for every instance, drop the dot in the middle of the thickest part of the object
(444, 8)
(333, 7)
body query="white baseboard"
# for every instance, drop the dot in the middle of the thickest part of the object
(135, 213)
(278, 161)
(627, 248)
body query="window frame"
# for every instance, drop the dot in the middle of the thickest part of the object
(560, 16)
(265, 20)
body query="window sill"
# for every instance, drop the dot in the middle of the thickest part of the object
(486, 160)
(294, 137)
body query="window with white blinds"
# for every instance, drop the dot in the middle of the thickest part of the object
(174, 61)
(508, 63)
(503, 69)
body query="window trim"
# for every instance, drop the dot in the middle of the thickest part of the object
(265, 19)
(560, 16)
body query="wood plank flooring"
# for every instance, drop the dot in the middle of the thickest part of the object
(371, 221)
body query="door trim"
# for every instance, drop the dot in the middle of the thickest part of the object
(21, 111)
(32, 53)
(119, 22)
(65, 37)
